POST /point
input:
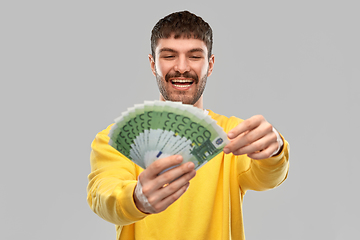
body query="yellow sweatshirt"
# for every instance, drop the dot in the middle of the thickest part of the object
(210, 209)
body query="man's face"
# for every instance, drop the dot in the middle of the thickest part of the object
(181, 67)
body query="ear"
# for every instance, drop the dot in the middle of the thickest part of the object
(211, 64)
(152, 64)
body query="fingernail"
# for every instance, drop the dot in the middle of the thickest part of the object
(190, 165)
(226, 150)
(230, 135)
(179, 158)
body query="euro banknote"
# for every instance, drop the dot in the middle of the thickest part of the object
(158, 129)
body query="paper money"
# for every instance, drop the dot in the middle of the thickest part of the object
(157, 129)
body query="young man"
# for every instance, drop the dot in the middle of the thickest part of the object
(177, 204)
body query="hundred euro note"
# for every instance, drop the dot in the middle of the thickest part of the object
(153, 130)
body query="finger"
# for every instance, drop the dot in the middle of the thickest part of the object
(266, 153)
(163, 189)
(174, 174)
(161, 164)
(252, 139)
(257, 146)
(166, 202)
(246, 125)
(174, 186)
(151, 186)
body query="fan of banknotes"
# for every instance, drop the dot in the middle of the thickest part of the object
(158, 129)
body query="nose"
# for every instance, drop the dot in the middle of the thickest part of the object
(182, 65)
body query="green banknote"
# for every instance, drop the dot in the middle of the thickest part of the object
(157, 129)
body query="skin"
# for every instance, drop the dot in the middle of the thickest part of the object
(184, 57)
(188, 59)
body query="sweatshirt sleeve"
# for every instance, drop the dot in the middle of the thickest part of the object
(265, 174)
(112, 181)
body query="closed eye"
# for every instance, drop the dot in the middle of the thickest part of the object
(195, 57)
(168, 56)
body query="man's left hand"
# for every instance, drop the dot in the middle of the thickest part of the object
(254, 137)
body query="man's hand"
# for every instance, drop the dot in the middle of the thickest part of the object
(160, 191)
(254, 137)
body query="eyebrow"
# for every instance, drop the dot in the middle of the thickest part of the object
(172, 50)
(197, 50)
(166, 50)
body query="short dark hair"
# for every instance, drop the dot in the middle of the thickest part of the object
(182, 24)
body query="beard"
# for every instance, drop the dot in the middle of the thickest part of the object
(178, 95)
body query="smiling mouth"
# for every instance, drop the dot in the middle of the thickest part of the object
(182, 83)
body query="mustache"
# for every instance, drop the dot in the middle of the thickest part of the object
(184, 75)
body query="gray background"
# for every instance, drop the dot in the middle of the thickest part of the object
(68, 68)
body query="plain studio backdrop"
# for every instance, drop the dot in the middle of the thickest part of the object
(68, 68)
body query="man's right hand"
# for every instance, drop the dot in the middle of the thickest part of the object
(163, 190)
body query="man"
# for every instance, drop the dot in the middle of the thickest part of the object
(177, 204)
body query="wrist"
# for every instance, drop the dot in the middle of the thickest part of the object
(140, 200)
(280, 143)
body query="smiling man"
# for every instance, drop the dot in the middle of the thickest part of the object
(181, 67)
(182, 203)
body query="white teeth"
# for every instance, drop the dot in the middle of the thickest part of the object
(181, 81)
(182, 86)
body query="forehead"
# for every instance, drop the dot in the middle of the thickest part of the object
(181, 45)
